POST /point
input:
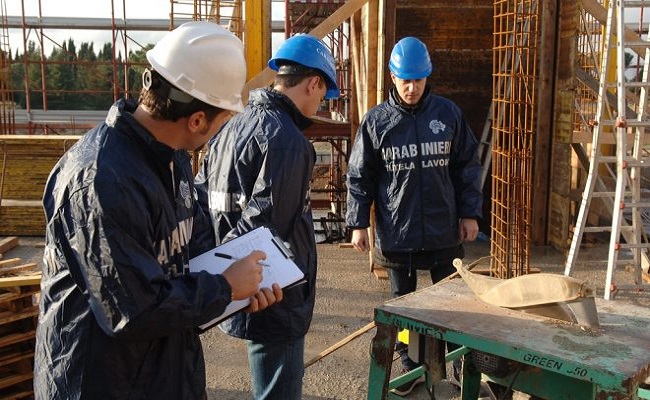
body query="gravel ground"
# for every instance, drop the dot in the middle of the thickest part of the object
(346, 297)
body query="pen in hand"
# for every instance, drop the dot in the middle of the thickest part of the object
(229, 257)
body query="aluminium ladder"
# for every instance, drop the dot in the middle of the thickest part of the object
(626, 121)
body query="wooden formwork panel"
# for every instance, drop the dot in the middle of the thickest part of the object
(25, 164)
(459, 37)
(25, 175)
(558, 221)
(22, 220)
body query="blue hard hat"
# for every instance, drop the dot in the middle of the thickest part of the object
(410, 59)
(309, 51)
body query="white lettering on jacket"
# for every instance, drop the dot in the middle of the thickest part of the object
(400, 158)
(179, 238)
(435, 148)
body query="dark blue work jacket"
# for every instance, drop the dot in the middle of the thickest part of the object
(420, 168)
(118, 311)
(256, 173)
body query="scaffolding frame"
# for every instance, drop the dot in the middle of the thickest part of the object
(7, 105)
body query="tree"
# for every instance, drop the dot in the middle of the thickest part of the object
(77, 79)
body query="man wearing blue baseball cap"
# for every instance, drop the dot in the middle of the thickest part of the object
(257, 172)
(415, 158)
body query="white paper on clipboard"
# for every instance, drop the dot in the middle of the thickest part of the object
(280, 268)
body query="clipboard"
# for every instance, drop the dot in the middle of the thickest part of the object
(278, 266)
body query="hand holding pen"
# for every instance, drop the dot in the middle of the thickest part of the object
(244, 276)
(229, 257)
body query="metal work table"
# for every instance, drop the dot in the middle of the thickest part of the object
(553, 359)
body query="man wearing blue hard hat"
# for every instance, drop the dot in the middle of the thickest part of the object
(257, 172)
(415, 158)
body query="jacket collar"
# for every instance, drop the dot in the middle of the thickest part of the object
(395, 100)
(267, 97)
(121, 114)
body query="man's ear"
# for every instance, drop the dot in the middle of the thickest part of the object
(313, 84)
(196, 121)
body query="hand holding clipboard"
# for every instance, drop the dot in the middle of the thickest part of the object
(278, 266)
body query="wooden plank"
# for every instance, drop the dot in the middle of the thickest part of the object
(379, 272)
(372, 47)
(21, 203)
(544, 123)
(7, 244)
(10, 262)
(340, 343)
(358, 69)
(599, 12)
(7, 316)
(15, 379)
(15, 338)
(24, 269)
(388, 18)
(13, 281)
(13, 358)
(23, 394)
(6, 296)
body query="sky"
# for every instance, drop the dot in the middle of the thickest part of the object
(82, 8)
(146, 9)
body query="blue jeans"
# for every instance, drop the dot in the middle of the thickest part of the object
(277, 369)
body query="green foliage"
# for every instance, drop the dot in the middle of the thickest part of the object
(76, 78)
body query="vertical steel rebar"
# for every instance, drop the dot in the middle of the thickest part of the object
(513, 134)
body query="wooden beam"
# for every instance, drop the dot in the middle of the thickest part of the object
(20, 280)
(357, 74)
(8, 243)
(545, 88)
(340, 343)
(389, 18)
(600, 14)
(372, 36)
(265, 77)
(358, 69)
(257, 35)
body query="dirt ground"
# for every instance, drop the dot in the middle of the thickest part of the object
(346, 297)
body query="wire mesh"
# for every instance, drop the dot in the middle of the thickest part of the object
(513, 133)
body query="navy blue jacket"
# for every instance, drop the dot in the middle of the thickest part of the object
(420, 168)
(257, 172)
(118, 311)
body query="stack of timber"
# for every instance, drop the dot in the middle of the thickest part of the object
(19, 289)
(25, 163)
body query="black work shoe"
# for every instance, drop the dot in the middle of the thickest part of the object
(406, 388)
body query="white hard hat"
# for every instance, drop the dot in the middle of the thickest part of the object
(203, 60)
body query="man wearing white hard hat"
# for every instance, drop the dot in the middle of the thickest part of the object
(257, 173)
(119, 309)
